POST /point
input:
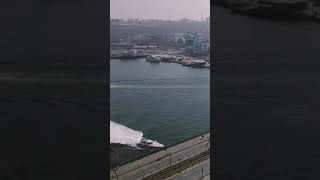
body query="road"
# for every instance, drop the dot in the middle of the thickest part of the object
(171, 161)
(179, 167)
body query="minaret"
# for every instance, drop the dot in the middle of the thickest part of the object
(201, 17)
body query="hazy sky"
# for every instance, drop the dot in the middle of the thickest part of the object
(160, 9)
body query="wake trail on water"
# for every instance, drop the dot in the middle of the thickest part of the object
(159, 86)
(120, 134)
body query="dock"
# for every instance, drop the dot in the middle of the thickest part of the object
(188, 160)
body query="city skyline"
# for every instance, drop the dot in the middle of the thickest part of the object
(160, 9)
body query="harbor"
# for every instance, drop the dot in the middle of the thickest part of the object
(159, 97)
(158, 56)
(186, 46)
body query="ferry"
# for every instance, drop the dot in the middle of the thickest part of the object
(153, 58)
(167, 58)
(194, 63)
(131, 54)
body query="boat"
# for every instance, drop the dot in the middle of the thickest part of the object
(207, 65)
(146, 141)
(153, 58)
(131, 54)
(194, 63)
(168, 58)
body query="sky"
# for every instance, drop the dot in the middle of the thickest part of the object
(160, 9)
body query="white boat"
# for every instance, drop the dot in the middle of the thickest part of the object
(167, 58)
(194, 63)
(153, 58)
(150, 143)
(146, 141)
(207, 65)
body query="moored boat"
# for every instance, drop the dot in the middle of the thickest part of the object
(194, 63)
(153, 58)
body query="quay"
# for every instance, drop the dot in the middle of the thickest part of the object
(163, 56)
(188, 160)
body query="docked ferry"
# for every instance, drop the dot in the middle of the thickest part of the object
(153, 58)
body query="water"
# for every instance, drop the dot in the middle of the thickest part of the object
(164, 102)
(120, 134)
(266, 98)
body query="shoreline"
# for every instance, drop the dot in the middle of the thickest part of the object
(173, 56)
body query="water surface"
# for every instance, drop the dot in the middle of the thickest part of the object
(167, 102)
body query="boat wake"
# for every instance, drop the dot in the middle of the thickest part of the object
(159, 86)
(120, 86)
(120, 134)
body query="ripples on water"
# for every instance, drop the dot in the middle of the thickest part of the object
(167, 102)
(126, 86)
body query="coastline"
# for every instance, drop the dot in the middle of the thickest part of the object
(169, 56)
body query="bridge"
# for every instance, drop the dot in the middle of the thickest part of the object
(189, 160)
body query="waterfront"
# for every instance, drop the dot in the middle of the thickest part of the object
(266, 98)
(167, 102)
(166, 56)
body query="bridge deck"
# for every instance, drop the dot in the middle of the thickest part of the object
(187, 160)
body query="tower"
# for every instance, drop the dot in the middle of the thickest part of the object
(201, 16)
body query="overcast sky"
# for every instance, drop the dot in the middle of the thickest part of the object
(160, 9)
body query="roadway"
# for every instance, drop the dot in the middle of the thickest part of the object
(180, 167)
(177, 162)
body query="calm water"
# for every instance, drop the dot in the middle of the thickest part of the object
(266, 98)
(167, 102)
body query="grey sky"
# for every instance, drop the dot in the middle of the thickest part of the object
(160, 9)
